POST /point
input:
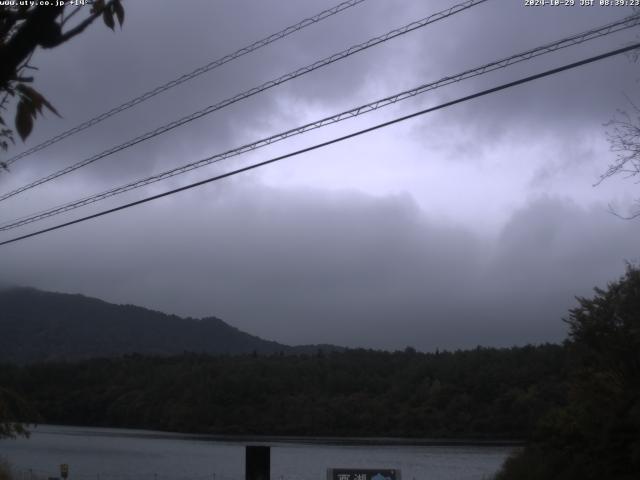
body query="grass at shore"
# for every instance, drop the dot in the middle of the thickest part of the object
(5, 470)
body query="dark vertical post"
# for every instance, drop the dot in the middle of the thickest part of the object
(257, 463)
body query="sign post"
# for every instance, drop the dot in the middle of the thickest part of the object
(257, 462)
(362, 474)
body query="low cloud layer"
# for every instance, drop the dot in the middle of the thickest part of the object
(341, 267)
(474, 225)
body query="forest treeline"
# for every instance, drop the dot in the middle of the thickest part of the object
(596, 435)
(38, 326)
(577, 404)
(480, 393)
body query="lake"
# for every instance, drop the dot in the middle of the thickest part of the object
(118, 454)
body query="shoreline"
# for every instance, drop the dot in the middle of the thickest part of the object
(272, 440)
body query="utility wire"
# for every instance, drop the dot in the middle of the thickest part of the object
(354, 112)
(332, 141)
(253, 91)
(188, 76)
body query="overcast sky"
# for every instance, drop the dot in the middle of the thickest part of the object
(477, 224)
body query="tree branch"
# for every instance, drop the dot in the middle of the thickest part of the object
(68, 17)
(29, 35)
(80, 27)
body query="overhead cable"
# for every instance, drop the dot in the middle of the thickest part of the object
(188, 76)
(253, 91)
(353, 112)
(482, 93)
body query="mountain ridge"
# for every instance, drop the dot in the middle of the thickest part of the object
(42, 326)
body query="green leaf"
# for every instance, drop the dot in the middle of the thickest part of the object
(36, 98)
(97, 6)
(8, 133)
(46, 103)
(119, 11)
(24, 120)
(107, 16)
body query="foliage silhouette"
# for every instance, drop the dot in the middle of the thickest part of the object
(480, 393)
(597, 434)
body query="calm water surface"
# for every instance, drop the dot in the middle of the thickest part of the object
(116, 454)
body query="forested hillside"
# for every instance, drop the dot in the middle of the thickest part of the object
(47, 326)
(596, 435)
(482, 393)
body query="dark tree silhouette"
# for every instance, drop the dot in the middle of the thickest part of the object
(483, 393)
(23, 28)
(624, 139)
(597, 435)
(13, 409)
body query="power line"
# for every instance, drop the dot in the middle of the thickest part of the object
(188, 76)
(575, 39)
(332, 141)
(253, 91)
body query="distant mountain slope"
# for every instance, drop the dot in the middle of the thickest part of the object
(45, 326)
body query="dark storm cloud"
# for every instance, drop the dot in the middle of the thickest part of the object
(162, 41)
(312, 266)
(319, 265)
(565, 105)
